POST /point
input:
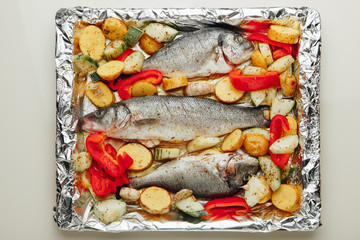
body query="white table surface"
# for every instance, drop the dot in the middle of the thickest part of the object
(27, 120)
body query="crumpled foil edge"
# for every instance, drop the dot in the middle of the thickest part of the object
(308, 218)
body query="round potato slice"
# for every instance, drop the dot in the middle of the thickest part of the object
(99, 94)
(155, 200)
(256, 144)
(226, 92)
(143, 88)
(283, 34)
(114, 28)
(92, 42)
(111, 70)
(233, 141)
(141, 155)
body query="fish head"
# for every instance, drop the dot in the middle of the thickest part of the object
(240, 168)
(106, 120)
(236, 48)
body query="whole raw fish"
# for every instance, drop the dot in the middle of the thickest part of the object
(170, 118)
(206, 52)
(216, 175)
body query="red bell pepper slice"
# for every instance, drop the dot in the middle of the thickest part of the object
(259, 37)
(101, 184)
(226, 208)
(96, 147)
(254, 26)
(279, 53)
(254, 83)
(124, 54)
(278, 126)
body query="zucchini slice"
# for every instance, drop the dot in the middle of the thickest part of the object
(262, 131)
(166, 153)
(94, 76)
(160, 32)
(133, 35)
(285, 144)
(191, 207)
(257, 190)
(257, 97)
(115, 49)
(281, 106)
(272, 172)
(84, 63)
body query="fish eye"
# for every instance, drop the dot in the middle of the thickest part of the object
(246, 177)
(99, 114)
(239, 39)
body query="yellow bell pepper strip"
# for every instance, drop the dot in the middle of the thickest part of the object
(226, 208)
(254, 83)
(278, 126)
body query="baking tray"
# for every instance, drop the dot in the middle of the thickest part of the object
(308, 107)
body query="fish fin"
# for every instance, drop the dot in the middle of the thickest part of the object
(146, 121)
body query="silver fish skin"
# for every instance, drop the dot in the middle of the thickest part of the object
(169, 118)
(206, 52)
(210, 176)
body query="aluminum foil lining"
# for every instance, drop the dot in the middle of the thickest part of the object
(308, 106)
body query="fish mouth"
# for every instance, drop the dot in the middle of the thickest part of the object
(85, 124)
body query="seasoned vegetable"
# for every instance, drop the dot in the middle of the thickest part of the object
(149, 45)
(94, 76)
(257, 189)
(293, 126)
(209, 152)
(283, 34)
(133, 35)
(251, 70)
(285, 144)
(288, 86)
(141, 155)
(257, 97)
(281, 106)
(82, 161)
(182, 194)
(262, 131)
(155, 200)
(160, 32)
(109, 210)
(199, 88)
(256, 144)
(92, 42)
(258, 59)
(115, 49)
(99, 94)
(287, 198)
(175, 82)
(282, 64)
(201, 143)
(233, 141)
(191, 206)
(133, 63)
(143, 88)
(265, 51)
(84, 64)
(226, 92)
(114, 28)
(166, 153)
(129, 194)
(111, 70)
(272, 172)
(271, 94)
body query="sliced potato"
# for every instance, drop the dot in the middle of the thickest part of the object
(251, 70)
(209, 152)
(281, 64)
(143, 88)
(202, 143)
(265, 50)
(256, 144)
(266, 198)
(155, 200)
(99, 94)
(290, 21)
(114, 28)
(182, 194)
(175, 82)
(288, 86)
(233, 141)
(293, 126)
(287, 198)
(141, 155)
(257, 190)
(111, 70)
(134, 63)
(225, 91)
(258, 59)
(92, 42)
(283, 34)
(149, 45)
(260, 130)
